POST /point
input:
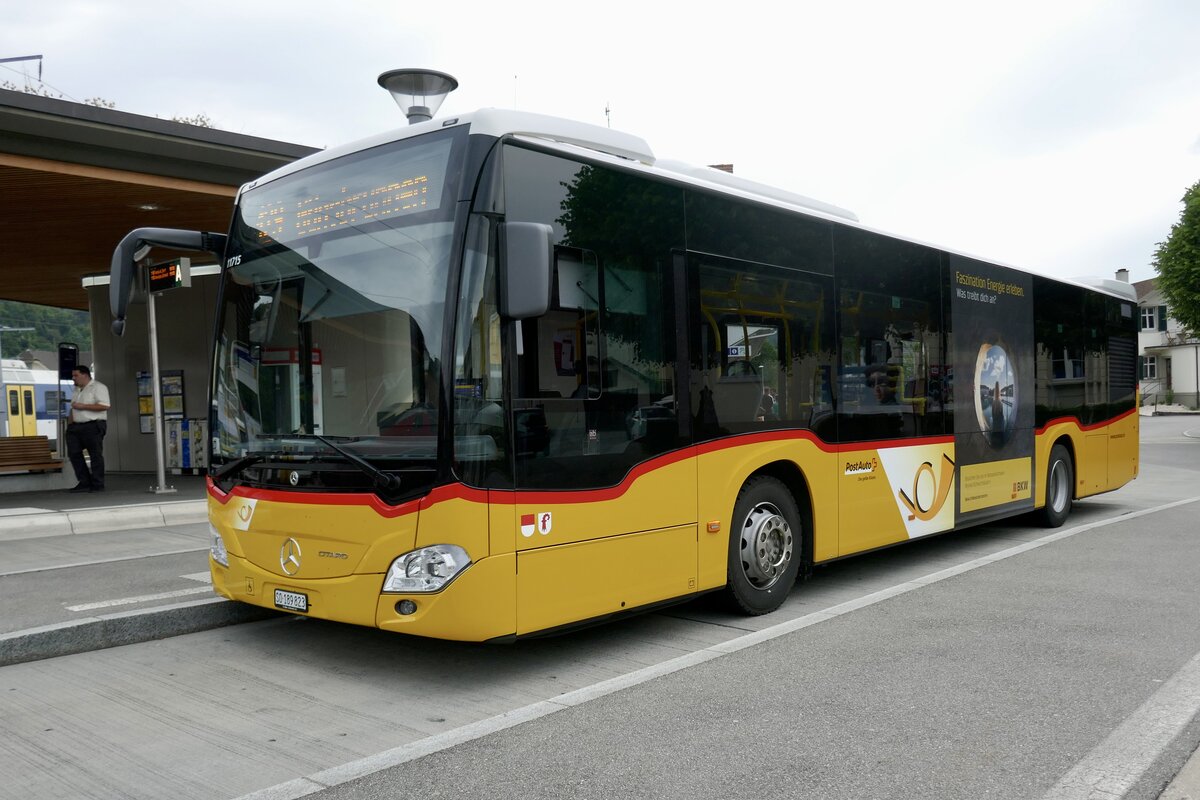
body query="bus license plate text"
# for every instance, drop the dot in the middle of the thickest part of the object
(292, 601)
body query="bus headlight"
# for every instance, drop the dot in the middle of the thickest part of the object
(426, 570)
(217, 548)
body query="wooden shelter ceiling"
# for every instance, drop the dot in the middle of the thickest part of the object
(59, 222)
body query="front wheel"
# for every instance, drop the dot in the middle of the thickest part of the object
(1060, 484)
(765, 546)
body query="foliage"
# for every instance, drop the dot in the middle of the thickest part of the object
(201, 120)
(50, 326)
(1177, 261)
(43, 91)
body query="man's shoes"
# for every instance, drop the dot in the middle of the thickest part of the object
(82, 487)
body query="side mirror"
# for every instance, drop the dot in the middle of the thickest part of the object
(526, 262)
(134, 246)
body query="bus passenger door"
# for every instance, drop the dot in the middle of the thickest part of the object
(606, 500)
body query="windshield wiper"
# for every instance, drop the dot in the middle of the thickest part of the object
(233, 468)
(384, 480)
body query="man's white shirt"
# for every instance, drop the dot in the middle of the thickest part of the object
(94, 392)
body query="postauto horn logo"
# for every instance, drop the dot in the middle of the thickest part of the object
(941, 490)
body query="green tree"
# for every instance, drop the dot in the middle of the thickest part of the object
(1177, 261)
(50, 326)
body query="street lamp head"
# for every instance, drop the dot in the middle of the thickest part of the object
(418, 92)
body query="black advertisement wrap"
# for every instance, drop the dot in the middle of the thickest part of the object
(992, 353)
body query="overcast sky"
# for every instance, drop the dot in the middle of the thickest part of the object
(1053, 135)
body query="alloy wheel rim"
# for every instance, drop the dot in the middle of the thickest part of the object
(767, 545)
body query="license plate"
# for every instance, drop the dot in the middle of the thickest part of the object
(292, 601)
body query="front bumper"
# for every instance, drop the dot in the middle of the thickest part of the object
(479, 604)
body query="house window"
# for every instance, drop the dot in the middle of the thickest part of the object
(1148, 318)
(1149, 368)
(1066, 364)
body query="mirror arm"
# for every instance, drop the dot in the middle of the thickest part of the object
(136, 245)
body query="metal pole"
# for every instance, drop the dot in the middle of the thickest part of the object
(161, 487)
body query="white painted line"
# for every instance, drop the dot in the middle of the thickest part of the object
(146, 598)
(1117, 763)
(202, 577)
(115, 560)
(335, 776)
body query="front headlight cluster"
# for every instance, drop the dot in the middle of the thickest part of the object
(426, 570)
(217, 548)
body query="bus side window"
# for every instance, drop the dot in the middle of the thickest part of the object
(599, 366)
(765, 348)
(890, 334)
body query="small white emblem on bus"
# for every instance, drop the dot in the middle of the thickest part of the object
(289, 557)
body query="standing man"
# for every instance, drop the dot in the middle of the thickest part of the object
(85, 430)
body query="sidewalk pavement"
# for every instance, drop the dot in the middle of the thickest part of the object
(126, 540)
(126, 503)
(1164, 410)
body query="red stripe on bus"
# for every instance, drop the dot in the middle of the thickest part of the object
(459, 491)
(1075, 420)
(331, 499)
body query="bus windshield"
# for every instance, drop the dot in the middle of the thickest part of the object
(332, 305)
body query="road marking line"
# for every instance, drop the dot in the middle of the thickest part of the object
(202, 577)
(127, 601)
(344, 773)
(1117, 763)
(116, 560)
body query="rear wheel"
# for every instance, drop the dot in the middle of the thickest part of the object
(765, 546)
(1060, 484)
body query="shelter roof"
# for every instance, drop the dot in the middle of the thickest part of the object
(75, 178)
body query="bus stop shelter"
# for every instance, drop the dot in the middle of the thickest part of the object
(74, 179)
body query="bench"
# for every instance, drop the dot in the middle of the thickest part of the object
(27, 454)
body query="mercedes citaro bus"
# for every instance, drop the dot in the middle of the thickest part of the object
(502, 374)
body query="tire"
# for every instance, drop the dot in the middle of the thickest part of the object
(765, 547)
(1060, 487)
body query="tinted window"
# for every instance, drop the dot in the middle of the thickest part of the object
(892, 361)
(594, 385)
(735, 229)
(763, 348)
(481, 451)
(1061, 338)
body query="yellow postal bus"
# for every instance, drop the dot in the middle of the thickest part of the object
(502, 374)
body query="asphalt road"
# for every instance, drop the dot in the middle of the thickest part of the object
(1005, 661)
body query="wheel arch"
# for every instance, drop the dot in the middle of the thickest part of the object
(792, 477)
(1068, 444)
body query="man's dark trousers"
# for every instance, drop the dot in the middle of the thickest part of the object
(87, 436)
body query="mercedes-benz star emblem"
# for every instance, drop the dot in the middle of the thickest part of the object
(289, 557)
(294, 478)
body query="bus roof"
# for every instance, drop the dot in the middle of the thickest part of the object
(634, 152)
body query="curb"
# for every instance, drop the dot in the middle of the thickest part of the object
(100, 520)
(125, 627)
(1186, 784)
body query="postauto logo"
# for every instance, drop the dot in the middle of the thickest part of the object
(937, 499)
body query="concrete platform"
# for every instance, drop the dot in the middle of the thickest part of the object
(128, 502)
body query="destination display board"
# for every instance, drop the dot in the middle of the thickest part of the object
(174, 274)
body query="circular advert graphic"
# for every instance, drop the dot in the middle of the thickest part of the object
(995, 394)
